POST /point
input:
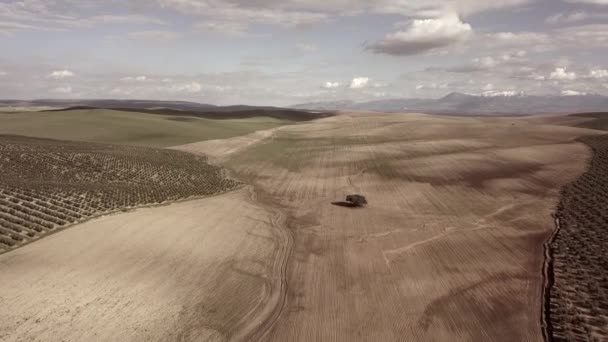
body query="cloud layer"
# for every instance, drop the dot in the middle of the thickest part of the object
(285, 52)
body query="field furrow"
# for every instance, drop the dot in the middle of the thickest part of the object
(450, 244)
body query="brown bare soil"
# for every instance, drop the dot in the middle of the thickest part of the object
(450, 245)
(597, 121)
(448, 248)
(577, 293)
(200, 270)
(50, 184)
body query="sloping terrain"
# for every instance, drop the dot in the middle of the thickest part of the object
(225, 113)
(450, 246)
(577, 306)
(130, 128)
(597, 121)
(49, 184)
(200, 270)
(180, 108)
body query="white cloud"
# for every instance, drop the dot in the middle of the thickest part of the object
(134, 79)
(62, 90)
(423, 35)
(561, 74)
(532, 40)
(486, 62)
(599, 73)
(331, 85)
(537, 77)
(506, 93)
(306, 47)
(2, 73)
(60, 74)
(567, 17)
(192, 87)
(572, 93)
(359, 82)
(228, 29)
(511, 55)
(432, 86)
(489, 62)
(593, 36)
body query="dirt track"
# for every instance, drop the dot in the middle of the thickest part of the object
(450, 246)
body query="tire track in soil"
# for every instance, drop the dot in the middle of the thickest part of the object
(259, 321)
(270, 309)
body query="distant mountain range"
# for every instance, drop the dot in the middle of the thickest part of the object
(490, 103)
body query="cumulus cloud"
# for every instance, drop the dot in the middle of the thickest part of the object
(534, 40)
(228, 29)
(331, 85)
(486, 62)
(423, 35)
(560, 74)
(60, 74)
(567, 17)
(134, 79)
(306, 47)
(62, 90)
(359, 82)
(489, 62)
(572, 93)
(593, 36)
(537, 77)
(192, 87)
(477, 64)
(599, 73)
(504, 93)
(432, 86)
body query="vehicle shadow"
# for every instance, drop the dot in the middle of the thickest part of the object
(345, 204)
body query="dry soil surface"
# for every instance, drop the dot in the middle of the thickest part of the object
(202, 270)
(450, 246)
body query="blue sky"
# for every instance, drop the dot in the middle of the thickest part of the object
(275, 52)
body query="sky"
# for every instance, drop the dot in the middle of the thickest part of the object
(272, 52)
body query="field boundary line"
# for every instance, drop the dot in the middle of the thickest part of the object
(122, 211)
(548, 281)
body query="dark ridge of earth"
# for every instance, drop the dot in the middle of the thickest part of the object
(576, 296)
(599, 122)
(277, 113)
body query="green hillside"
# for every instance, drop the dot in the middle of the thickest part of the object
(131, 128)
